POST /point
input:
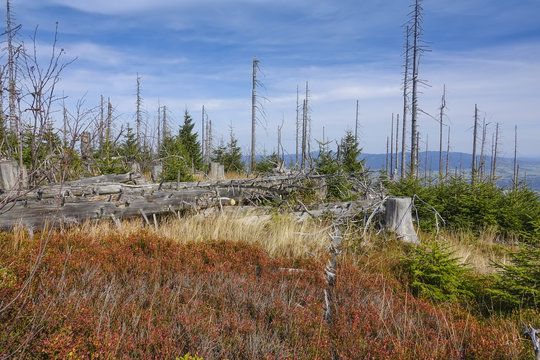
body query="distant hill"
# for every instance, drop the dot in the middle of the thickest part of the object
(529, 168)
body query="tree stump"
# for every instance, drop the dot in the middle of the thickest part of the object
(399, 218)
(217, 171)
(156, 170)
(9, 175)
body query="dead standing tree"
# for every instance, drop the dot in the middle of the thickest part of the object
(253, 111)
(475, 132)
(138, 114)
(441, 117)
(417, 49)
(405, 102)
(40, 98)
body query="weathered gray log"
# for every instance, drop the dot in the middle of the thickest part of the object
(399, 218)
(70, 211)
(113, 178)
(346, 209)
(88, 187)
(96, 198)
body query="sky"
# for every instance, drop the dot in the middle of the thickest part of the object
(190, 53)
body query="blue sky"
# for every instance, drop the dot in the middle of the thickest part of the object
(194, 52)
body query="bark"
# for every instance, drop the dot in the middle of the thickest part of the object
(399, 218)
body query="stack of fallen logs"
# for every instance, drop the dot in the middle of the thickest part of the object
(122, 196)
(115, 197)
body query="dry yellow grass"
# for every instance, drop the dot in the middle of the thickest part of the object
(279, 235)
(478, 251)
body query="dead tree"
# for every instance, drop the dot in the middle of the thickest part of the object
(441, 116)
(164, 128)
(139, 111)
(13, 52)
(494, 161)
(426, 160)
(203, 144)
(475, 130)
(447, 153)
(40, 97)
(482, 165)
(417, 49)
(405, 102)
(307, 127)
(397, 147)
(304, 134)
(391, 170)
(253, 112)
(356, 124)
(297, 125)
(387, 154)
(516, 167)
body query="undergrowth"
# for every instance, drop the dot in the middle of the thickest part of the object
(137, 294)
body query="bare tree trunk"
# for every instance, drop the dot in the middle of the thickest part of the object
(516, 168)
(304, 134)
(447, 154)
(391, 170)
(210, 138)
(101, 126)
(482, 148)
(308, 127)
(203, 144)
(139, 115)
(109, 122)
(494, 163)
(387, 150)
(159, 139)
(356, 124)
(426, 161)
(297, 125)
(417, 31)
(164, 126)
(473, 169)
(253, 112)
(12, 68)
(441, 116)
(65, 118)
(405, 103)
(397, 147)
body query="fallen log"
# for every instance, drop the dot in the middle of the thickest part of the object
(71, 211)
(98, 198)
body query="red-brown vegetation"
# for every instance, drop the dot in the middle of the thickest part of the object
(142, 296)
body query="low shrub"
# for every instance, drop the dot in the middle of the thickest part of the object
(517, 284)
(475, 206)
(434, 273)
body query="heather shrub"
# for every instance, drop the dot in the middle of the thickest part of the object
(188, 356)
(143, 296)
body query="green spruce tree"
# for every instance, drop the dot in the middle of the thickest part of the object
(189, 141)
(230, 155)
(176, 161)
(129, 149)
(350, 152)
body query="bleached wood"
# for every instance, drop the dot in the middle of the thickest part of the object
(399, 218)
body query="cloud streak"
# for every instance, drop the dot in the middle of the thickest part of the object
(191, 53)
